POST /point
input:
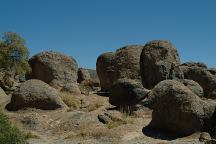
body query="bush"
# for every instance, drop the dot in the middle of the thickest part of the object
(14, 54)
(9, 134)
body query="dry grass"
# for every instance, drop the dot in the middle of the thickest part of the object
(73, 102)
(95, 105)
(93, 132)
(125, 120)
(127, 117)
(30, 135)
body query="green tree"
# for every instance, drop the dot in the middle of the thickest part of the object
(14, 54)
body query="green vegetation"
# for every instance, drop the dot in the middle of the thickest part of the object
(14, 54)
(9, 134)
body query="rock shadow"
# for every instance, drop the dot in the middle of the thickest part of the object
(151, 132)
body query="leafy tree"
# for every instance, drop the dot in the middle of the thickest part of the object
(14, 54)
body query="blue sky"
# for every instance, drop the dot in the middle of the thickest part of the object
(86, 28)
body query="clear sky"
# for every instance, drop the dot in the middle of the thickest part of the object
(86, 28)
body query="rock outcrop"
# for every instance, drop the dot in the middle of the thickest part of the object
(105, 70)
(199, 73)
(159, 61)
(178, 110)
(35, 94)
(55, 69)
(127, 92)
(83, 74)
(124, 63)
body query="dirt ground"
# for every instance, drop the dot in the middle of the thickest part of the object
(82, 126)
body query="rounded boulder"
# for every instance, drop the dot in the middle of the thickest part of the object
(178, 110)
(35, 94)
(159, 61)
(53, 67)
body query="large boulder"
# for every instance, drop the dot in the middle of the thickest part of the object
(105, 70)
(199, 73)
(54, 68)
(159, 61)
(124, 63)
(127, 92)
(35, 94)
(178, 110)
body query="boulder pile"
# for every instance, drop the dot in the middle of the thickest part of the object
(124, 63)
(177, 94)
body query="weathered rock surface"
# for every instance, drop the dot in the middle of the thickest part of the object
(193, 86)
(159, 61)
(89, 86)
(199, 73)
(178, 110)
(204, 136)
(110, 116)
(212, 71)
(127, 92)
(83, 74)
(105, 70)
(127, 61)
(53, 66)
(124, 63)
(3, 96)
(35, 94)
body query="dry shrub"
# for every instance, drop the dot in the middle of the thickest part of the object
(72, 101)
(97, 103)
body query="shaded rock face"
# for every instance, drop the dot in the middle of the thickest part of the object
(199, 73)
(212, 71)
(193, 86)
(35, 94)
(159, 61)
(53, 66)
(83, 74)
(105, 70)
(124, 63)
(127, 92)
(178, 110)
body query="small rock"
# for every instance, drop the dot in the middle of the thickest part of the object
(204, 136)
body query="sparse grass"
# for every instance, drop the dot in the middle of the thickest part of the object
(126, 110)
(92, 132)
(9, 134)
(125, 120)
(127, 117)
(71, 101)
(95, 105)
(30, 135)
